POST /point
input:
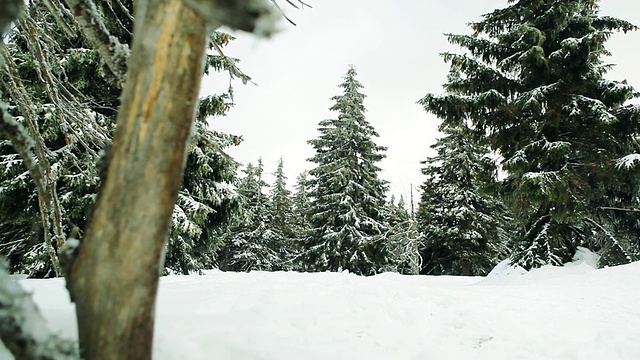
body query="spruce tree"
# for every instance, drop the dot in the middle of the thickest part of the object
(251, 242)
(61, 92)
(208, 198)
(301, 203)
(347, 197)
(74, 112)
(459, 223)
(300, 220)
(282, 216)
(402, 239)
(532, 81)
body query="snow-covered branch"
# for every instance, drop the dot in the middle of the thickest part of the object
(256, 16)
(114, 53)
(23, 143)
(23, 330)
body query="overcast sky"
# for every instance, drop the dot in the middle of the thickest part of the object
(394, 46)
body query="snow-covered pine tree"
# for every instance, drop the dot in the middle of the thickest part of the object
(459, 223)
(533, 81)
(301, 203)
(299, 220)
(402, 239)
(283, 216)
(251, 242)
(347, 210)
(58, 89)
(74, 112)
(208, 198)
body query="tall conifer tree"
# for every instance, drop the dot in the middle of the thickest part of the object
(459, 222)
(251, 242)
(300, 220)
(533, 82)
(347, 196)
(283, 217)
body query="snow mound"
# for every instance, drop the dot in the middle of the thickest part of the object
(585, 256)
(583, 261)
(504, 271)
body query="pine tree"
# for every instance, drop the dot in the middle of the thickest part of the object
(60, 91)
(282, 217)
(347, 197)
(402, 239)
(300, 220)
(301, 203)
(533, 82)
(74, 112)
(208, 198)
(251, 242)
(459, 223)
(281, 200)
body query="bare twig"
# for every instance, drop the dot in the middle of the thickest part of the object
(302, 5)
(608, 208)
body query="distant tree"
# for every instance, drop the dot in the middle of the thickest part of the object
(283, 217)
(347, 210)
(459, 223)
(301, 201)
(533, 82)
(300, 220)
(252, 242)
(402, 239)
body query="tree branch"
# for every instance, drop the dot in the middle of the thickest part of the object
(255, 16)
(110, 49)
(23, 330)
(607, 208)
(24, 145)
(62, 15)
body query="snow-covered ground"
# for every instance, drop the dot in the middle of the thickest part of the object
(572, 312)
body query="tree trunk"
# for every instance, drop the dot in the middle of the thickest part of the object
(114, 277)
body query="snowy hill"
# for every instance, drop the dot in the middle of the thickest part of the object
(573, 312)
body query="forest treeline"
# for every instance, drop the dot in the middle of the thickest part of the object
(538, 155)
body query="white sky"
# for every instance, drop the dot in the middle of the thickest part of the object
(394, 46)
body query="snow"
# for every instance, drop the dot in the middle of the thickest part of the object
(570, 312)
(628, 162)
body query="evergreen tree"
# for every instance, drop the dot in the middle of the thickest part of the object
(251, 242)
(299, 220)
(60, 91)
(533, 82)
(208, 198)
(347, 198)
(73, 113)
(283, 218)
(402, 239)
(301, 203)
(282, 203)
(459, 224)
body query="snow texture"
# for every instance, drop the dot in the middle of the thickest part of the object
(628, 162)
(570, 312)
